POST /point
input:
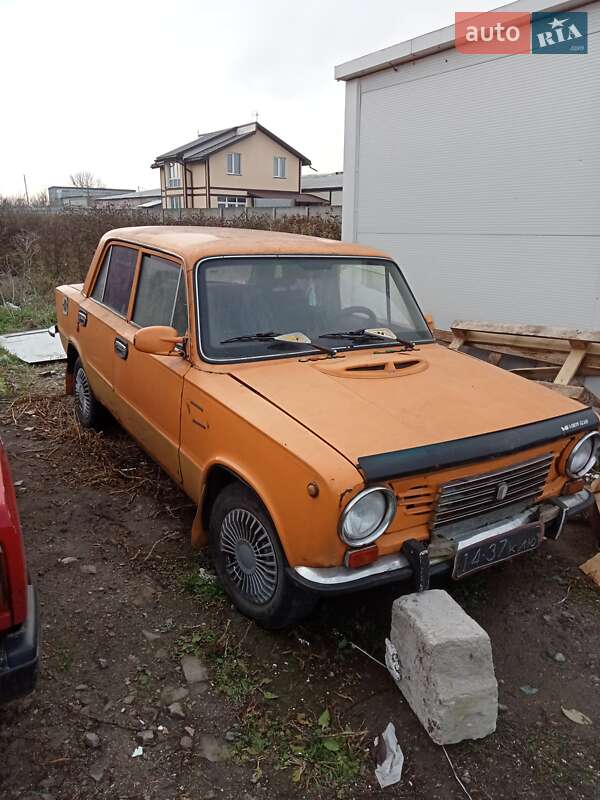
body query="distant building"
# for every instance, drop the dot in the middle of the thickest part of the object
(65, 196)
(328, 185)
(146, 198)
(246, 165)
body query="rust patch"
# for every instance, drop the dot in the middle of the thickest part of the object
(343, 494)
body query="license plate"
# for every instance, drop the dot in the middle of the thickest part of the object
(474, 556)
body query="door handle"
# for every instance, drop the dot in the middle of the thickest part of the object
(121, 348)
(82, 317)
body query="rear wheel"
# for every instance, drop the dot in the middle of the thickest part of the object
(88, 410)
(250, 561)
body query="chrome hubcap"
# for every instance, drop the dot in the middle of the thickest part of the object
(250, 559)
(83, 393)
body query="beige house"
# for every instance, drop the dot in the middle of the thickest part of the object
(232, 168)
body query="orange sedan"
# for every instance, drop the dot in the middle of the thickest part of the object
(292, 387)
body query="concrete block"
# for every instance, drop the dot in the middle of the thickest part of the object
(444, 667)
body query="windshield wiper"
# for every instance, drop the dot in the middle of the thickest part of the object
(363, 336)
(271, 336)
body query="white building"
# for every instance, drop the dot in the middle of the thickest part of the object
(481, 175)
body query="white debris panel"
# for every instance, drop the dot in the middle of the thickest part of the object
(33, 347)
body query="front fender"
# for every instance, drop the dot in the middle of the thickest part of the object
(225, 424)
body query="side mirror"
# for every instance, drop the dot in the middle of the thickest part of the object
(429, 321)
(159, 340)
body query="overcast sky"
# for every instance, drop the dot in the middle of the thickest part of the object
(107, 86)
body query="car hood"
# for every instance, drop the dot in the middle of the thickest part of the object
(367, 402)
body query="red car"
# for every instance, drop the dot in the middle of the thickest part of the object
(19, 621)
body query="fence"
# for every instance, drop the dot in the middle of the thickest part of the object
(167, 215)
(275, 212)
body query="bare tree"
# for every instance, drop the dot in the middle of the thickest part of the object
(39, 199)
(86, 180)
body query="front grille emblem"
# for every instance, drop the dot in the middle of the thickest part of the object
(501, 491)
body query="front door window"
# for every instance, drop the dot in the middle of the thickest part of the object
(160, 298)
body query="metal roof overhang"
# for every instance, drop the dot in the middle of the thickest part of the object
(433, 42)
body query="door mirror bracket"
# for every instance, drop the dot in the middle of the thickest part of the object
(159, 340)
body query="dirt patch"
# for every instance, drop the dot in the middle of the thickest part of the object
(281, 715)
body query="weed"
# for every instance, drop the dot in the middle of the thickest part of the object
(15, 376)
(143, 678)
(203, 585)
(585, 592)
(231, 673)
(234, 678)
(328, 760)
(37, 313)
(195, 644)
(65, 661)
(313, 752)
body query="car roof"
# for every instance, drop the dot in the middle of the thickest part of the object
(193, 242)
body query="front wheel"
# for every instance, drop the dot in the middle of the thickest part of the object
(250, 562)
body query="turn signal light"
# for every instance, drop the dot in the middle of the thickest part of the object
(362, 557)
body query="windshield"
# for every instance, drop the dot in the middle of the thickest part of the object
(311, 295)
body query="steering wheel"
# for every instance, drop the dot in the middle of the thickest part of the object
(361, 311)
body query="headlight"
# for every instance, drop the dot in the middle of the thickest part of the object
(583, 456)
(367, 516)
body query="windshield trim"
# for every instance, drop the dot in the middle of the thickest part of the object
(299, 352)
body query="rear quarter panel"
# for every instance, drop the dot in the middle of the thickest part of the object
(93, 343)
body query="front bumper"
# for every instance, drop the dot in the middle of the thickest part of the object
(396, 568)
(19, 654)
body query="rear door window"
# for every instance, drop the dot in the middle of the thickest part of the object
(115, 279)
(160, 298)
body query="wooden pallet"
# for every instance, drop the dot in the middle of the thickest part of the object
(566, 354)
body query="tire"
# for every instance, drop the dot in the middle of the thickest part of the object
(241, 534)
(88, 410)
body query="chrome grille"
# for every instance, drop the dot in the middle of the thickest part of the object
(480, 494)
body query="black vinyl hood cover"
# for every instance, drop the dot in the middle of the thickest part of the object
(475, 448)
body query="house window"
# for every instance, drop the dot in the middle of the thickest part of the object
(173, 175)
(234, 163)
(226, 201)
(279, 167)
(174, 201)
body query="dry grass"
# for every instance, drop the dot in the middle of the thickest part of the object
(15, 376)
(111, 460)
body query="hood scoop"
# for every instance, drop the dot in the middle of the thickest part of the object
(373, 368)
